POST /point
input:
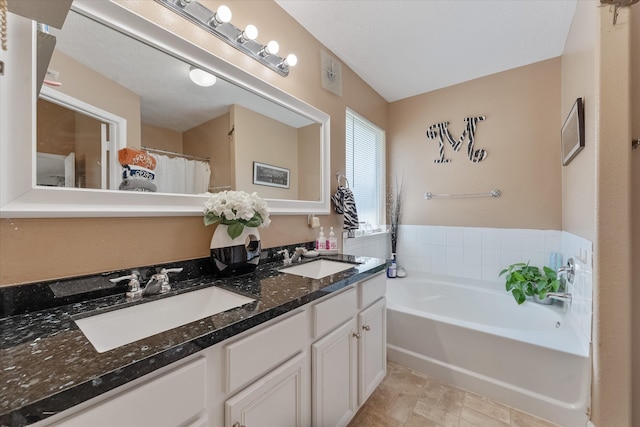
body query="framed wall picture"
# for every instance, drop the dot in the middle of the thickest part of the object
(272, 176)
(573, 132)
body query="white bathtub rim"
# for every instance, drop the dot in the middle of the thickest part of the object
(568, 341)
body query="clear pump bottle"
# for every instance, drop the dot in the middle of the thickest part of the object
(321, 242)
(333, 242)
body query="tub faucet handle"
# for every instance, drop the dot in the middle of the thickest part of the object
(569, 271)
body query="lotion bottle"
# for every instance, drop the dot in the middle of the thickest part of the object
(333, 242)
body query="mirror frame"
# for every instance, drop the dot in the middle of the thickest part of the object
(20, 197)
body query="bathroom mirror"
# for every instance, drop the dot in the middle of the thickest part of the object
(119, 81)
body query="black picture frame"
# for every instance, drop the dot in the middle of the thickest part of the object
(273, 176)
(572, 135)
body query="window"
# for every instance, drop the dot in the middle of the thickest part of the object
(365, 165)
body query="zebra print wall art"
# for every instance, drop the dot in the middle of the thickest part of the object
(441, 131)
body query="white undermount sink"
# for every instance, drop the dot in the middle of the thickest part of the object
(318, 269)
(116, 328)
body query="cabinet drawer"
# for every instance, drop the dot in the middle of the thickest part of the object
(168, 400)
(372, 290)
(334, 311)
(252, 356)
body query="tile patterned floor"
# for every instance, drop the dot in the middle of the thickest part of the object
(407, 398)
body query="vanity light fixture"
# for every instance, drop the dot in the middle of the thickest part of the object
(201, 77)
(218, 23)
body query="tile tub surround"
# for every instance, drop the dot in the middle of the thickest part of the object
(48, 365)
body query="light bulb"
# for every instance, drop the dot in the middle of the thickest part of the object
(250, 32)
(201, 77)
(273, 47)
(223, 14)
(291, 60)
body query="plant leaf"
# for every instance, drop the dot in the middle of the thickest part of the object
(519, 296)
(255, 221)
(235, 229)
(210, 218)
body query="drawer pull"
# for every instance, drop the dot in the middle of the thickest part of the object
(357, 335)
(366, 327)
(237, 424)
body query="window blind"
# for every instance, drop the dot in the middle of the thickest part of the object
(365, 167)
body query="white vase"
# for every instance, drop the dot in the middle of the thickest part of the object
(233, 257)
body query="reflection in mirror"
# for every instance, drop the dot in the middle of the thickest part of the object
(117, 92)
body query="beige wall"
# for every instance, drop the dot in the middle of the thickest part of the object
(210, 140)
(308, 164)
(596, 195)
(161, 138)
(178, 238)
(520, 134)
(579, 81)
(81, 82)
(258, 138)
(635, 207)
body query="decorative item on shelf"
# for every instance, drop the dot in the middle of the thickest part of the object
(235, 245)
(524, 280)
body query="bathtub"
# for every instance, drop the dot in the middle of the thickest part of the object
(473, 335)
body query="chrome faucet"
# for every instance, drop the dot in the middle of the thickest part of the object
(560, 296)
(157, 284)
(285, 253)
(298, 254)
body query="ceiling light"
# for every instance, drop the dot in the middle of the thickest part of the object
(201, 77)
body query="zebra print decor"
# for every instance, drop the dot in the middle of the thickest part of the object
(441, 131)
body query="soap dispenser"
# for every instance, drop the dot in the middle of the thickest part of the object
(320, 241)
(333, 242)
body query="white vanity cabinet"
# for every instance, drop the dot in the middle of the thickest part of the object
(314, 366)
(160, 402)
(349, 362)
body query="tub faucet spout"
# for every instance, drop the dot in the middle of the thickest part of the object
(560, 296)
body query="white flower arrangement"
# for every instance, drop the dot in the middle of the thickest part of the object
(236, 209)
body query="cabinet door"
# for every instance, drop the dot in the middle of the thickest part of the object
(372, 365)
(280, 399)
(334, 377)
(168, 400)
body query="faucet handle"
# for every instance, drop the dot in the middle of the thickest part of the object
(134, 283)
(171, 270)
(569, 271)
(285, 253)
(163, 277)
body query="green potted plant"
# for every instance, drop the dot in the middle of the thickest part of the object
(523, 280)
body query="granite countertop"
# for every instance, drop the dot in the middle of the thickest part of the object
(48, 365)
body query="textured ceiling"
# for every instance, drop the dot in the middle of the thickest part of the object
(404, 48)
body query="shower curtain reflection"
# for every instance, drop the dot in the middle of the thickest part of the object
(180, 175)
